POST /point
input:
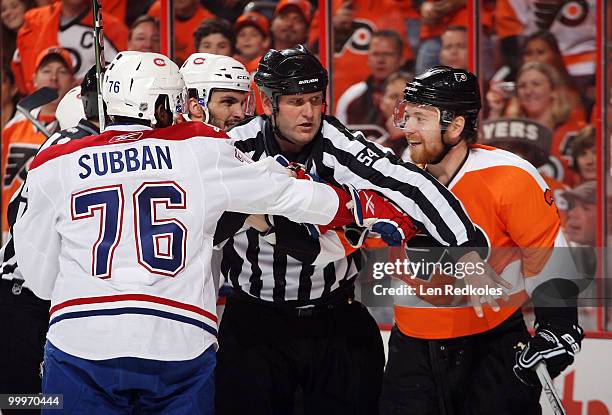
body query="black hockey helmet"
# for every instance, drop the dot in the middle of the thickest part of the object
(453, 91)
(89, 93)
(290, 71)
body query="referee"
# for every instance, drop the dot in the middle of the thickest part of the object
(291, 327)
(24, 318)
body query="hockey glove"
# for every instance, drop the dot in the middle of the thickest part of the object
(554, 343)
(344, 215)
(380, 216)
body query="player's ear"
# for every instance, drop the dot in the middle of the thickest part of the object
(456, 127)
(195, 109)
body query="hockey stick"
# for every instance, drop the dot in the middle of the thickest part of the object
(99, 51)
(549, 389)
(37, 99)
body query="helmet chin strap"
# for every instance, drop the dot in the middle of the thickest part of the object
(446, 147)
(277, 131)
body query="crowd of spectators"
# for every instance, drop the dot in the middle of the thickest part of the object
(536, 65)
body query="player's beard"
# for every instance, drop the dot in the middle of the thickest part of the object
(231, 122)
(427, 151)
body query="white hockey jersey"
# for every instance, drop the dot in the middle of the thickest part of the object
(118, 234)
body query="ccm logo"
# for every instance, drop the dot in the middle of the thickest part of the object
(159, 62)
(308, 81)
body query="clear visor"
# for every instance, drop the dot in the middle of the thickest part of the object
(248, 106)
(178, 101)
(409, 116)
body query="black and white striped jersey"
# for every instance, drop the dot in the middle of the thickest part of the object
(8, 263)
(340, 157)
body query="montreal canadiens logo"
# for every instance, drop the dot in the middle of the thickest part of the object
(198, 61)
(159, 62)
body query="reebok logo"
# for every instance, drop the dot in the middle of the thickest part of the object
(369, 207)
(126, 137)
(308, 81)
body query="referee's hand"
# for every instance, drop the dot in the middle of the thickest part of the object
(481, 277)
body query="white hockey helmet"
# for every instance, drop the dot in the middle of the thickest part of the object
(135, 80)
(205, 72)
(70, 109)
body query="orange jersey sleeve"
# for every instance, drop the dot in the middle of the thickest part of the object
(183, 29)
(531, 218)
(506, 23)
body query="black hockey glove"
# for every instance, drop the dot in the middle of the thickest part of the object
(555, 343)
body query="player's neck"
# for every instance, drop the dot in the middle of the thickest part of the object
(446, 169)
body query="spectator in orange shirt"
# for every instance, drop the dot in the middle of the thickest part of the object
(453, 50)
(9, 96)
(541, 96)
(252, 39)
(358, 107)
(436, 15)
(215, 36)
(20, 139)
(188, 14)
(12, 13)
(67, 23)
(144, 35)
(290, 23)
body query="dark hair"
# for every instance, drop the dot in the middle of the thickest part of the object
(393, 36)
(215, 25)
(145, 18)
(9, 38)
(553, 44)
(585, 139)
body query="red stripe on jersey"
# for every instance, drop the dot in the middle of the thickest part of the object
(133, 297)
(177, 132)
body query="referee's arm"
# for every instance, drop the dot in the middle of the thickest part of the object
(351, 159)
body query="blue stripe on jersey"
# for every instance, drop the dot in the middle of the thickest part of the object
(134, 310)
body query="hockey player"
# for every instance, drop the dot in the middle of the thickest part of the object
(219, 90)
(444, 360)
(118, 235)
(22, 314)
(315, 340)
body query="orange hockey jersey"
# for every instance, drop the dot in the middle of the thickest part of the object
(41, 29)
(183, 29)
(573, 24)
(507, 198)
(350, 64)
(20, 143)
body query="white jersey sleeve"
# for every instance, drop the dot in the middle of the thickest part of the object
(39, 249)
(265, 187)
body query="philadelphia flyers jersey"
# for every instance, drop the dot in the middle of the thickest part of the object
(351, 52)
(20, 143)
(573, 23)
(511, 203)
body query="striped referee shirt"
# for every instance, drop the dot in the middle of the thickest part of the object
(340, 157)
(18, 204)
